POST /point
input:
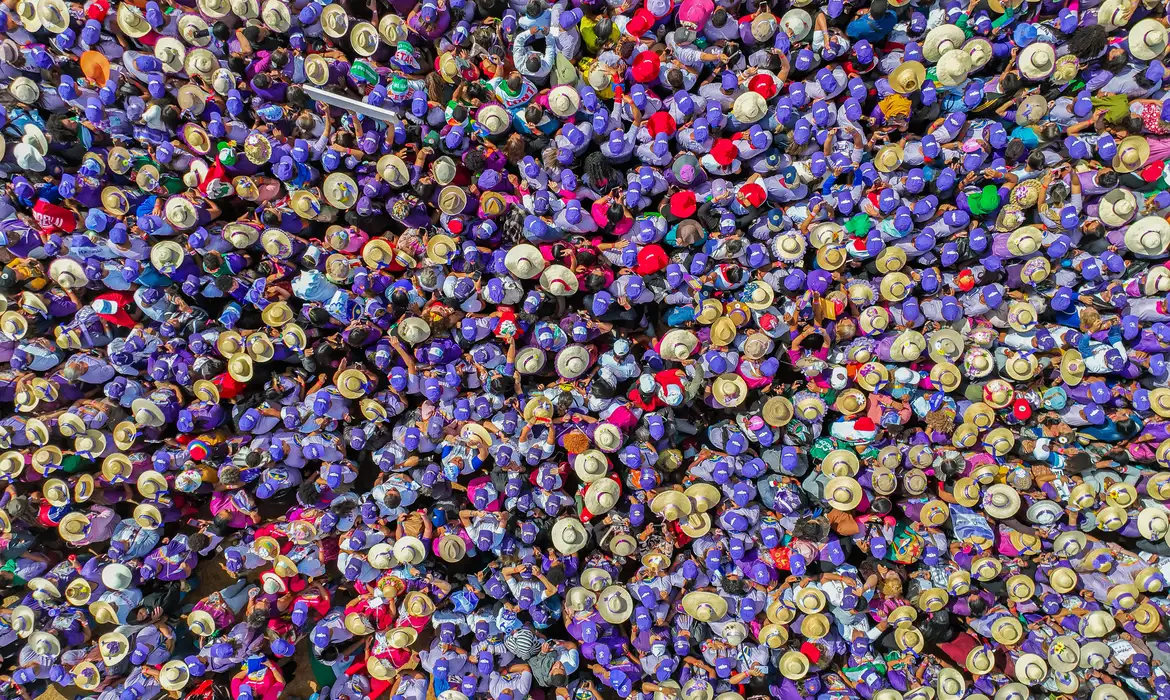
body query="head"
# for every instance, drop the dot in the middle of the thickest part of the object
(1086, 43)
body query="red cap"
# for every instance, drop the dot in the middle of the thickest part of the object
(864, 423)
(965, 280)
(724, 152)
(812, 651)
(97, 9)
(764, 85)
(640, 23)
(753, 194)
(652, 258)
(646, 66)
(661, 123)
(682, 204)
(1021, 409)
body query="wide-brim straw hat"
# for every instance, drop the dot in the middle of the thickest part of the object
(1132, 154)
(671, 505)
(615, 604)
(704, 606)
(794, 665)
(569, 535)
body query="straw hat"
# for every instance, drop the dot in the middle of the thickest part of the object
(579, 598)
(1031, 669)
(525, 261)
(569, 535)
(794, 665)
(615, 604)
(901, 616)
(907, 78)
(86, 675)
(56, 492)
(1112, 518)
(452, 548)
(148, 516)
(201, 623)
(409, 551)
(132, 21)
(1097, 624)
(940, 40)
(1007, 630)
(889, 158)
(1148, 236)
(73, 528)
(671, 505)
(591, 465)
(1132, 154)
(172, 53)
(1037, 60)
(1117, 207)
(364, 38)
(947, 376)
(1147, 39)
(1001, 501)
(414, 330)
(334, 21)
(402, 637)
(174, 674)
(1153, 523)
(945, 345)
(980, 661)
(602, 495)
(559, 280)
(167, 256)
(704, 606)
(1020, 588)
(729, 389)
(909, 638)
(843, 493)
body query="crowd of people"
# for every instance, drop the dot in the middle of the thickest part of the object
(586, 350)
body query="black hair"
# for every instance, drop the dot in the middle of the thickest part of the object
(1133, 124)
(1009, 84)
(392, 499)
(262, 81)
(257, 619)
(534, 9)
(674, 78)
(1014, 151)
(254, 458)
(318, 316)
(221, 31)
(1107, 178)
(603, 30)
(500, 385)
(221, 523)
(307, 493)
(61, 129)
(252, 34)
(1086, 43)
(533, 112)
(197, 542)
(279, 58)
(357, 337)
(1036, 160)
(878, 8)
(1115, 62)
(515, 82)
(295, 95)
